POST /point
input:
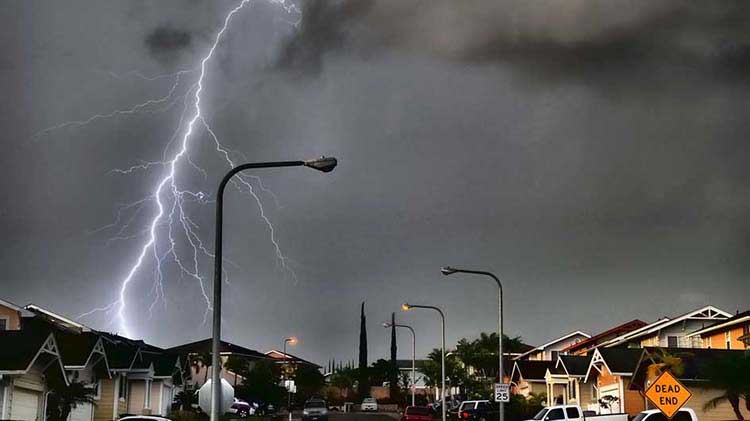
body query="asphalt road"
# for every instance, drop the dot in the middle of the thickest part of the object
(359, 416)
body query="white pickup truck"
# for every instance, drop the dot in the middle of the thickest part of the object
(573, 413)
(684, 414)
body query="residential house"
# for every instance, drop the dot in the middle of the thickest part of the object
(672, 333)
(528, 376)
(113, 401)
(610, 371)
(10, 315)
(550, 350)
(584, 346)
(291, 360)
(696, 366)
(565, 383)
(30, 366)
(731, 333)
(195, 358)
(404, 369)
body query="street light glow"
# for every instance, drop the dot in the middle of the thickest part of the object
(405, 306)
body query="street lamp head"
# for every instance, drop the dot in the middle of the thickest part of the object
(386, 324)
(447, 270)
(405, 306)
(292, 340)
(324, 164)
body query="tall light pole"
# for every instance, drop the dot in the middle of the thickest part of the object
(322, 164)
(413, 357)
(407, 307)
(292, 340)
(450, 271)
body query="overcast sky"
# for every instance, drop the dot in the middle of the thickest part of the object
(592, 154)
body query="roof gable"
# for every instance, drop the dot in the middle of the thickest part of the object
(554, 341)
(617, 330)
(573, 365)
(618, 361)
(532, 370)
(723, 324)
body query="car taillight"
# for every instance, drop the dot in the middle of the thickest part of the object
(465, 415)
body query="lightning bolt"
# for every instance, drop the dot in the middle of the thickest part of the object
(167, 197)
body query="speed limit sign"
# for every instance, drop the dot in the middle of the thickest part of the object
(502, 392)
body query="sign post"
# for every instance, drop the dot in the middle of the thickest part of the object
(668, 394)
(502, 392)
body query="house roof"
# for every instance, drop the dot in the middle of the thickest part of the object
(164, 364)
(532, 370)
(696, 363)
(552, 342)
(703, 313)
(724, 324)
(598, 338)
(204, 347)
(279, 355)
(18, 348)
(574, 365)
(121, 352)
(76, 350)
(619, 361)
(15, 307)
(54, 317)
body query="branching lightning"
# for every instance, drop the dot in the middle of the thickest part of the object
(168, 197)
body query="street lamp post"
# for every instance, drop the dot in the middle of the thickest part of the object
(450, 271)
(322, 164)
(413, 357)
(292, 341)
(407, 307)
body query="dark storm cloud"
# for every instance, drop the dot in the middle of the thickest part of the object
(164, 42)
(556, 38)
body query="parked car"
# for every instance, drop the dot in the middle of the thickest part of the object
(315, 410)
(417, 413)
(369, 405)
(573, 413)
(684, 414)
(477, 410)
(241, 408)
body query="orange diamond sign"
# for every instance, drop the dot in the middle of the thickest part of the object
(668, 394)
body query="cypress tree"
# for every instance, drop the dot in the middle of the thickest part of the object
(364, 386)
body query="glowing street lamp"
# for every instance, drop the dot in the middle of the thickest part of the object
(447, 270)
(323, 164)
(292, 341)
(413, 357)
(408, 307)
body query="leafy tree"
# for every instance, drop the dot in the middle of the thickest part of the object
(262, 383)
(63, 398)
(185, 400)
(309, 382)
(363, 385)
(730, 374)
(344, 378)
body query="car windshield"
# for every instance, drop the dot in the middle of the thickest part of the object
(369, 400)
(540, 415)
(417, 410)
(315, 404)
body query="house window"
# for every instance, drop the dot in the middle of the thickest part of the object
(708, 342)
(672, 341)
(728, 339)
(4, 322)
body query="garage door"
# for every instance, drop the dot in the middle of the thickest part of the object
(25, 404)
(82, 412)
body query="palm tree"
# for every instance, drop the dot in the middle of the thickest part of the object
(730, 374)
(64, 398)
(667, 361)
